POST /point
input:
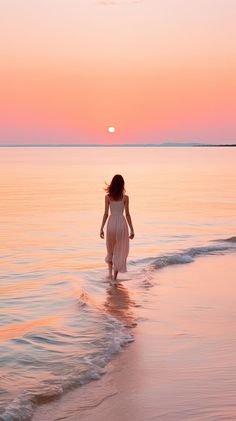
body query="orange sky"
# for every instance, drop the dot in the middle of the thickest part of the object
(158, 70)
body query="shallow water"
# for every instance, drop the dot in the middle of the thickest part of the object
(59, 321)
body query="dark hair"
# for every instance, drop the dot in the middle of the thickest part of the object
(116, 188)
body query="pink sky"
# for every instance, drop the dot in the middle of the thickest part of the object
(158, 70)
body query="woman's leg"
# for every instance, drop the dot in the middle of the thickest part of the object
(110, 270)
(115, 275)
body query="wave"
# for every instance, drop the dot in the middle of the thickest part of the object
(231, 239)
(188, 255)
(91, 366)
(23, 406)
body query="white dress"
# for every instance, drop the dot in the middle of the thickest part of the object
(117, 236)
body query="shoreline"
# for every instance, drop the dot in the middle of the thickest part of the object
(181, 365)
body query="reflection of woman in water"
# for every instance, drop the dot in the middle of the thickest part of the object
(117, 235)
(119, 305)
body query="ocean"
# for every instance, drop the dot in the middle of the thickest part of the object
(59, 323)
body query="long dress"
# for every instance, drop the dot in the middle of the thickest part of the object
(117, 237)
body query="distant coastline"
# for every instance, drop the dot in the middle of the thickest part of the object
(124, 145)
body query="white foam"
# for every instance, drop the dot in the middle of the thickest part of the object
(188, 255)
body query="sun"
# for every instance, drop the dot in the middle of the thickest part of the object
(111, 129)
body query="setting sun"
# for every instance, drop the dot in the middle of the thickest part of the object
(111, 129)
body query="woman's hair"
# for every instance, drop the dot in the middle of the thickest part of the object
(116, 188)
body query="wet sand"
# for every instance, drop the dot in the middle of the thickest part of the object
(182, 363)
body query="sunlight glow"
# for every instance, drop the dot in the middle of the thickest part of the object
(111, 129)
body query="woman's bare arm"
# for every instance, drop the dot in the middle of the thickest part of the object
(128, 217)
(105, 216)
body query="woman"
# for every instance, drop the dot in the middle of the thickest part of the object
(117, 236)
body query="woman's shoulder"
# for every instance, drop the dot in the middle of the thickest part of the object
(126, 197)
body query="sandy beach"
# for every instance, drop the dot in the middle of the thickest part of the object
(182, 363)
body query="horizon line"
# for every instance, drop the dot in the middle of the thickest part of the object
(165, 144)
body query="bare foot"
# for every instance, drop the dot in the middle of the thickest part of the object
(113, 283)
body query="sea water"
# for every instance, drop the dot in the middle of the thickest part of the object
(59, 326)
